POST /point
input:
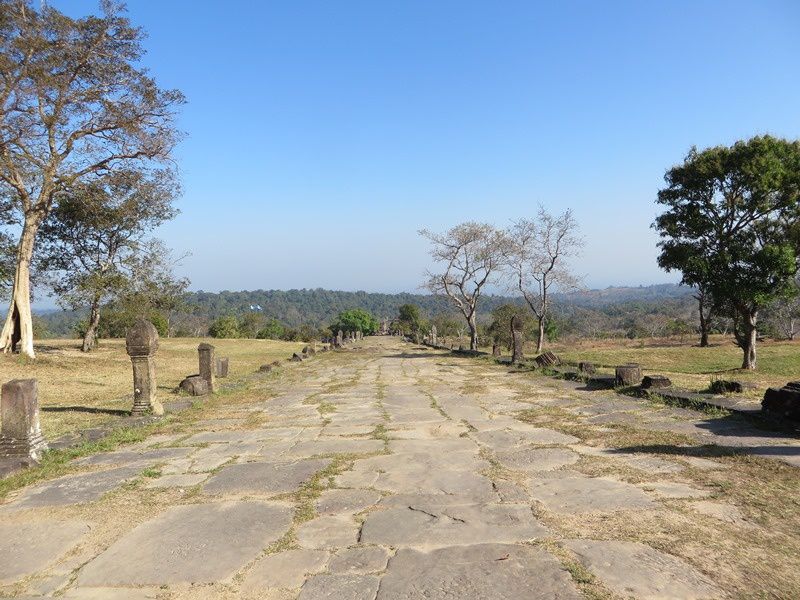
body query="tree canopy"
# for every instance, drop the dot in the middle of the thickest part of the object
(732, 226)
(356, 319)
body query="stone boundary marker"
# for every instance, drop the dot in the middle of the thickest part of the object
(206, 355)
(221, 368)
(141, 344)
(21, 435)
(517, 340)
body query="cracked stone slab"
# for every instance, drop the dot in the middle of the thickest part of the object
(503, 439)
(340, 587)
(264, 477)
(636, 570)
(669, 489)
(430, 524)
(284, 569)
(346, 501)
(75, 489)
(577, 494)
(364, 559)
(27, 548)
(533, 459)
(183, 480)
(642, 462)
(127, 457)
(201, 543)
(335, 446)
(328, 532)
(485, 571)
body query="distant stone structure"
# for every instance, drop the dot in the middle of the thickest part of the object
(385, 326)
(496, 350)
(628, 375)
(206, 357)
(517, 339)
(141, 343)
(339, 339)
(222, 367)
(21, 435)
(434, 340)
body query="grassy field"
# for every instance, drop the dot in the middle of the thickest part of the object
(685, 363)
(77, 390)
(690, 366)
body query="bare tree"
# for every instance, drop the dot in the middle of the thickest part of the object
(74, 104)
(536, 260)
(472, 255)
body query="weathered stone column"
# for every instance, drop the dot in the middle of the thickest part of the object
(142, 344)
(517, 339)
(496, 350)
(206, 353)
(222, 367)
(434, 341)
(339, 339)
(628, 375)
(21, 435)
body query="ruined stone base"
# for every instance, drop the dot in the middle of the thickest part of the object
(783, 402)
(29, 449)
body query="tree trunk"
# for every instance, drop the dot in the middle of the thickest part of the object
(747, 339)
(90, 337)
(704, 320)
(18, 327)
(540, 336)
(473, 332)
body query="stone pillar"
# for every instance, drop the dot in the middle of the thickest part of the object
(206, 353)
(339, 339)
(628, 375)
(142, 344)
(496, 350)
(21, 435)
(222, 367)
(434, 341)
(517, 339)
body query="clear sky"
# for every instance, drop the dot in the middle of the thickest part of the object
(322, 135)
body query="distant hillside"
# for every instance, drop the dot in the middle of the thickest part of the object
(318, 307)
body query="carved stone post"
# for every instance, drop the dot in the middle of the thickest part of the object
(222, 367)
(339, 339)
(517, 339)
(206, 354)
(21, 436)
(433, 336)
(142, 344)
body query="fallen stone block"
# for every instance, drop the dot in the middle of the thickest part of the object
(628, 375)
(547, 359)
(655, 381)
(194, 385)
(783, 402)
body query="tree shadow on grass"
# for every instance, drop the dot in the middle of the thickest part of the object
(114, 412)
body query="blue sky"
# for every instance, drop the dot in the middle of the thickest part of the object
(322, 135)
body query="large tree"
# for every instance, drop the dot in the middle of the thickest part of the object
(471, 255)
(537, 258)
(75, 103)
(731, 226)
(92, 244)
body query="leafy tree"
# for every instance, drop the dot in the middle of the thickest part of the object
(356, 319)
(250, 324)
(500, 327)
(76, 104)
(732, 224)
(472, 255)
(537, 252)
(272, 330)
(409, 318)
(225, 327)
(91, 243)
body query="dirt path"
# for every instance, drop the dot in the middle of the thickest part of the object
(389, 471)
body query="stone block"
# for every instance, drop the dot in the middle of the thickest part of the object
(547, 359)
(222, 367)
(783, 402)
(655, 381)
(194, 385)
(628, 375)
(21, 434)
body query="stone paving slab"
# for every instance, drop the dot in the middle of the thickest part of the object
(578, 494)
(428, 524)
(636, 570)
(75, 489)
(340, 587)
(363, 559)
(268, 478)
(485, 571)
(190, 544)
(284, 570)
(30, 547)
